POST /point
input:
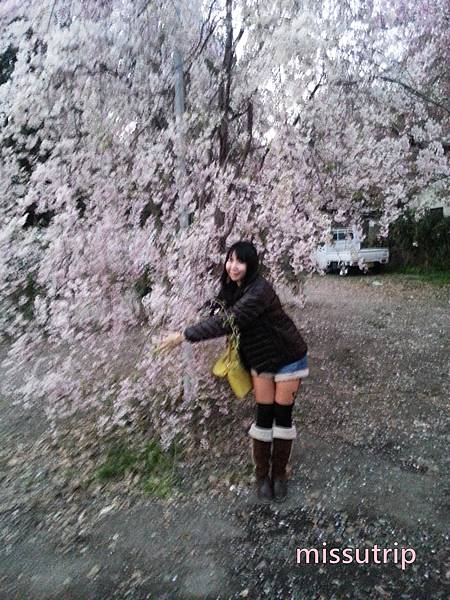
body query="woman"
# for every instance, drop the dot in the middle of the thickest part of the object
(271, 348)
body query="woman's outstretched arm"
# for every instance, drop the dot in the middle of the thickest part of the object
(254, 302)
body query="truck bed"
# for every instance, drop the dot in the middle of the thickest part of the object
(348, 257)
(354, 256)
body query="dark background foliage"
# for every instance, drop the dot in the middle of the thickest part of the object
(424, 243)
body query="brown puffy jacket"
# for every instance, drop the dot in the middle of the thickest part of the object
(269, 339)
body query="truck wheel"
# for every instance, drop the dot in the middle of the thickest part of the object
(378, 268)
(344, 271)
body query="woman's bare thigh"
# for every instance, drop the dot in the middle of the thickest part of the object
(263, 389)
(285, 391)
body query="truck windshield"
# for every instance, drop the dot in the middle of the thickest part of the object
(341, 236)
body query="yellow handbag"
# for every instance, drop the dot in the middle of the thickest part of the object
(229, 365)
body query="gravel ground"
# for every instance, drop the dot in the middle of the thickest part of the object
(369, 468)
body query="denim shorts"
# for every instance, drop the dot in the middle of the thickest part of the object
(296, 370)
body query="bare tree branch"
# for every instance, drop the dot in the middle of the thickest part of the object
(413, 91)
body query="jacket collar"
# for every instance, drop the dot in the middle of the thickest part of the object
(242, 289)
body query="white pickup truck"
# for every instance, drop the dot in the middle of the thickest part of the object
(344, 251)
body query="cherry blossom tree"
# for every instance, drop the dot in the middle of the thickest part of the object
(296, 114)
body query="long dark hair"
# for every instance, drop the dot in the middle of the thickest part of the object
(246, 253)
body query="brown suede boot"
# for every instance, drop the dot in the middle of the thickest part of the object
(261, 458)
(281, 452)
(261, 451)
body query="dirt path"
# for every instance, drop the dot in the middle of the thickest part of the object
(369, 468)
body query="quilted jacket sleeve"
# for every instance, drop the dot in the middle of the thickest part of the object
(255, 301)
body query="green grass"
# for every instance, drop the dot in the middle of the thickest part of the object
(119, 460)
(159, 469)
(159, 486)
(419, 274)
(155, 466)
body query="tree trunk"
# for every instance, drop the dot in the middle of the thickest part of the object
(181, 186)
(224, 102)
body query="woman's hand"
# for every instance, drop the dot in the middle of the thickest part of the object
(171, 341)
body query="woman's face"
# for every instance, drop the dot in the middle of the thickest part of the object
(235, 268)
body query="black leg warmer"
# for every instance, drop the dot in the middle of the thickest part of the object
(283, 414)
(264, 415)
